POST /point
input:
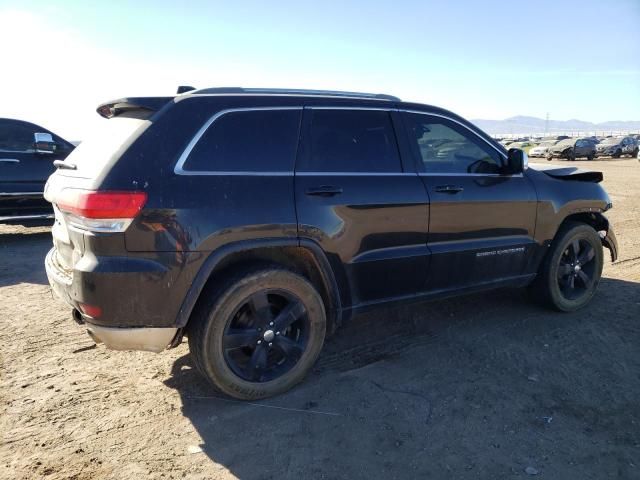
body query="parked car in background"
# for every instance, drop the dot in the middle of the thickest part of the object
(525, 146)
(541, 149)
(264, 219)
(617, 146)
(572, 148)
(27, 153)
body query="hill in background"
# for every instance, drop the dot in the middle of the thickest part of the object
(524, 124)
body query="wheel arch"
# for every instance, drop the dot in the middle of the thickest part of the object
(600, 224)
(304, 258)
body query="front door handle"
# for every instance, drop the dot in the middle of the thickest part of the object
(451, 189)
(9, 160)
(324, 191)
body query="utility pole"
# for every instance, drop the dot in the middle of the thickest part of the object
(546, 124)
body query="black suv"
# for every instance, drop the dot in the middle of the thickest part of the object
(257, 221)
(27, 153)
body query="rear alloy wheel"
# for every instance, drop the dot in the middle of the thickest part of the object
(571, 271)
(260, 335)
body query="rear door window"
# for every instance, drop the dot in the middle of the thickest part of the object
(351, 141)
(248, 141)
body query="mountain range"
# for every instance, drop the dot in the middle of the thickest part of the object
(524, 124)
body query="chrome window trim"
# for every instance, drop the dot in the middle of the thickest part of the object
(179, 168)
(355, 174)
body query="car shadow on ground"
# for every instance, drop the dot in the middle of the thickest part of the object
(27, 251)
(482, 385)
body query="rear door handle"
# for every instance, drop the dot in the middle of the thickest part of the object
(9, 160)
(451, 189)
(324, 191)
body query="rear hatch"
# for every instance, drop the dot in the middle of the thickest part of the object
(81, 174)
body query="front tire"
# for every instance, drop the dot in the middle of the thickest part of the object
(618, 154)
(260, 335)
(571, 270)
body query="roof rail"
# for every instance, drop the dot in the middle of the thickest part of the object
(293, 91)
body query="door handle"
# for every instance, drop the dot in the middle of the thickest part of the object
(9, 160)
(451, 189)
(324, 191)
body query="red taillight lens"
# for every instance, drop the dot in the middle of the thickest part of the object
(90, 204)
(99, 212)
(92, 311)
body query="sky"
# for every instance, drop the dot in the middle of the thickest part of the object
(572, 59)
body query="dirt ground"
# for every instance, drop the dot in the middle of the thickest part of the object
(486, 386)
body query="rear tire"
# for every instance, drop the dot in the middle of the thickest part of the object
(260, 335)
(571, 270)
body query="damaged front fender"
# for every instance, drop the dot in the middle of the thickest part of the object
(609, 240)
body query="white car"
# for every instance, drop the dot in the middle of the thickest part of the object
(541, 150)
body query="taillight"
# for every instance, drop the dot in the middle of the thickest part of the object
(100, 211)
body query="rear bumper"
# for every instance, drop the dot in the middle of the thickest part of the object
(132, 291)
(71, 287)
(147, 339)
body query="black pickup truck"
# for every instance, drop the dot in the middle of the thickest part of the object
(27, 152)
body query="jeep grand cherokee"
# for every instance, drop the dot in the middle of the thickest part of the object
(256, 221)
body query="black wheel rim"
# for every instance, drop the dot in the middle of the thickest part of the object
(266, 336)
(576, 269)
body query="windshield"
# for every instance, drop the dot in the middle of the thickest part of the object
(611, 141)
(548, 143)
(563, 143)
(103, 145)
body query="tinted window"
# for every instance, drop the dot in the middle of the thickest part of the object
(16, 136)
(445, 147)
(351, 141)
(251, 141)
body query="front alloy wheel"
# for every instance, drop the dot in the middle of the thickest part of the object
(576, 269)
(569, 275)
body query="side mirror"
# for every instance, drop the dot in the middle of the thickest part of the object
(517, 161)
(44, 143)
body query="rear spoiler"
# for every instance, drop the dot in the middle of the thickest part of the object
(135, 107)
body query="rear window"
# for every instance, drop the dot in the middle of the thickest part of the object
(104, 145)
(248, 141)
